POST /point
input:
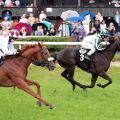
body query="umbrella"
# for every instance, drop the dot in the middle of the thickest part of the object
(75, 19)
(20, 25)
(87, 13)
(48, 24)
(34, 26)
(68, 14)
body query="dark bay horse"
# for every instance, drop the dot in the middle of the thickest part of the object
(68, 58)
(14, 70)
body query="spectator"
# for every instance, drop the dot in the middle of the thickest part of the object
(15, 22)
(92, 31)
(99, 16)
(31, 19)
(5, 30)
(86, 27)
(117, 19)
(8, 15)
(97, 24)
(8, 3)
(52, 31)
(17, 3)
(103, 25)
(64, 29)
(23, 19)
(39, 31)
(111, 29)
(79, 32)
(42, 16)
(23, 32)
(117, 4)
(2, 3)
(91, 1)
(7, 23)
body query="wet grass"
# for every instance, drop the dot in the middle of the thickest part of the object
(96, 104)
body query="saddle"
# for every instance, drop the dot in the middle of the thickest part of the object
(81, 59)
(83, 54)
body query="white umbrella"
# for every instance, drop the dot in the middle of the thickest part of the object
(68, 14)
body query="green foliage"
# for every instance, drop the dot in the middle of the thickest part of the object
(117, 57)
(48, 39)
(96, 104)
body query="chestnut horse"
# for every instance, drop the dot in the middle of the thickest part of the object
(69, 58)
(14, 70)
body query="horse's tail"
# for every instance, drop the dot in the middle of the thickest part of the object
(55, 56)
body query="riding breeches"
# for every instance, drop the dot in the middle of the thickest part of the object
(6, 52)
(88, 46)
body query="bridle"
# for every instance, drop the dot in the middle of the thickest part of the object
(44, 62)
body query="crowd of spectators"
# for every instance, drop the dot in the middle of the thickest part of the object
(114, 3)
(78, 29)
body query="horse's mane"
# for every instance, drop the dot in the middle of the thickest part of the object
(12, 56)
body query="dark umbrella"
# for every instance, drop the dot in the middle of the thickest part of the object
(20, 25)
(34, 26)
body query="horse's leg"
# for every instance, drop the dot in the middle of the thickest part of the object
(68, 74)
(65, 75)
(106, 77)
(24, 86)
(93, 81)
(31, 82)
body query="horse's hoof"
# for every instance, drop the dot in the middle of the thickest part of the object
(52, 107)
(85, 90)
(73, 88)
(38, 103)
(99, 85)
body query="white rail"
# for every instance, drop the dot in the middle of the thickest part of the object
(47, 43)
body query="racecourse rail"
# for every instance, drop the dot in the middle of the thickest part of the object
(45, 43)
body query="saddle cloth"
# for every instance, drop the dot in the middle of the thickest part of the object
(80, 58)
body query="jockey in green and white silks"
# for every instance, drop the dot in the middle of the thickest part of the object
(95, 42)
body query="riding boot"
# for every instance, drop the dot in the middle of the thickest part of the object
(1, 60)
(87, 57)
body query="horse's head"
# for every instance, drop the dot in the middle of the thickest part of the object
(117, 39)
(43, 58)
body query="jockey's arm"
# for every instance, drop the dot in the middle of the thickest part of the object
(100, 45)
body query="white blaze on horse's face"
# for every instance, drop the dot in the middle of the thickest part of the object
(50, 59)
(47, 58)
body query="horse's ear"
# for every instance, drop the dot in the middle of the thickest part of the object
(39, 44)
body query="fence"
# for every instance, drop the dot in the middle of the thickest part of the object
(46, 43)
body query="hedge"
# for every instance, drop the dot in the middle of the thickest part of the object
(48, 39)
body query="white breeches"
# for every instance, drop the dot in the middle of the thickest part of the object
(87, 43)
(89, 47)
(7, 52)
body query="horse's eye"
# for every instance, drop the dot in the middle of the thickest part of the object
(45, 53)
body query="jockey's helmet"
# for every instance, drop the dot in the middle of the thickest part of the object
(104, 33)
(14, 34)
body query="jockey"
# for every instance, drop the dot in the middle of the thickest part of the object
(4, 47)
(95, 42)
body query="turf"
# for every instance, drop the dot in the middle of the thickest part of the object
(96, 104)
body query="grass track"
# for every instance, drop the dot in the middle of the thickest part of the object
(97, 104)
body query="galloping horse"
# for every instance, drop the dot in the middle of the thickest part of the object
(14, 71)
(69, 58)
